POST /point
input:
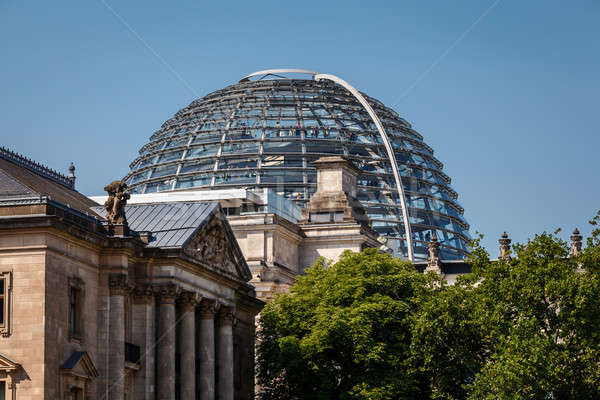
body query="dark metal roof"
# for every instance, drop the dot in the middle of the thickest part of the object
(73, 360)
(86, 363)
(171, 224)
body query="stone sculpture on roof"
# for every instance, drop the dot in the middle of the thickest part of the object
(115, 205)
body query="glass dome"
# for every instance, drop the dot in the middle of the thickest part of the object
(265, 131)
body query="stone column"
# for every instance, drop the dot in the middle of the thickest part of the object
(143, 336)
(225, 354)
(117, 284)
(166, 342)
(206, 350)
(187, 345)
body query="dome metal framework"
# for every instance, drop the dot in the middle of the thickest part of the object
(265, 131)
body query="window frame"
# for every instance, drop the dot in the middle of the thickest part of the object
(6, 278)
(75, 322)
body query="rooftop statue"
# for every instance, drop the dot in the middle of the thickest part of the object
(434, 263)
(115, 205)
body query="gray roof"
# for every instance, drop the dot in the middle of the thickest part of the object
(73, 360)
(10, 187)
(171, 224)
(22, 178)
(36, 168)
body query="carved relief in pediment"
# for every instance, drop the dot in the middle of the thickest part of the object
(212, 247)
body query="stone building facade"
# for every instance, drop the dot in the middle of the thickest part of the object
(158, 307)
(278, 239)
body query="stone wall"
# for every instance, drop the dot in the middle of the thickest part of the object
(25, 257)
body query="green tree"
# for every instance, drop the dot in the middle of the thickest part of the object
(526, 328)
(343, 332)
(372, 327)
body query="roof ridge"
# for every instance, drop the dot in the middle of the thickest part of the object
(36, 167)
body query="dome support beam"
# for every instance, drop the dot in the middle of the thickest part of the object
(388, 147)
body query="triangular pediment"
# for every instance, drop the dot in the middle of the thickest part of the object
(215, 246)
(6, 364)
(80, 364)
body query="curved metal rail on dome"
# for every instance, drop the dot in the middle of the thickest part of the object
(388, 147)
(278, 71)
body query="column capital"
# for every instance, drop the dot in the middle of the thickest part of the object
(207, 309)
(167, 294)
(143, 293)
(226, 315)
(117, 284)
(188, 300)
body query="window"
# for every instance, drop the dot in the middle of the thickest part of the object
(75, 308)
(5, 292)
(75, 394)
(193, 181)
(241, 147)
(2, 390)
(2, 291)
(282, 147)
(164, 171)
(74, 312)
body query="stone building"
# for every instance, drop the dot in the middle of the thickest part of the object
(153, 304)
(277, 238)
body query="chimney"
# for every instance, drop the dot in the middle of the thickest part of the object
(335, 198)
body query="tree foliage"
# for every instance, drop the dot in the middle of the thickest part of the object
(371, 327)
(342, 332)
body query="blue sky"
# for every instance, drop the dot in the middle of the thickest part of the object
(506, 92)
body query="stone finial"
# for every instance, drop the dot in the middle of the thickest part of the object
(576, 243)
(504, 246)
(434, 263)
(71, 175)
(115, 205)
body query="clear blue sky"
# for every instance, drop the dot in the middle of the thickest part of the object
(506, 92)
